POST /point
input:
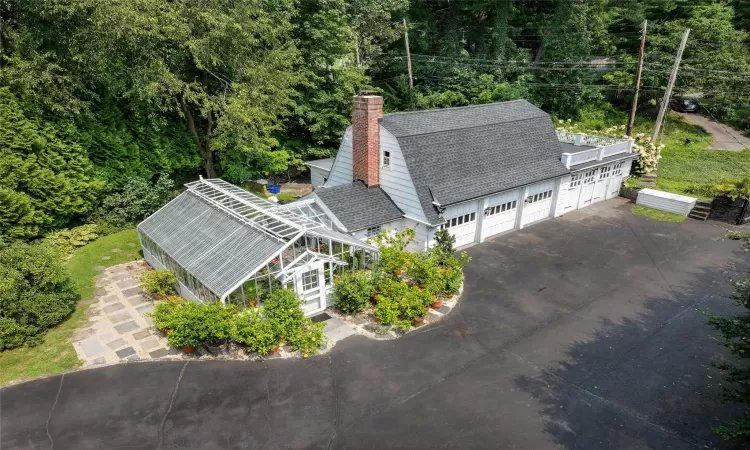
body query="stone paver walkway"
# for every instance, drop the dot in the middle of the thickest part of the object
(119, 331)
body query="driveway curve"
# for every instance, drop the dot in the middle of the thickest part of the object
(585, 331)
(724, 136)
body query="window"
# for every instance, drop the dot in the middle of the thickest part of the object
(604, 173)
(491, 211)
(310, 280)
(617, 170)
(540, 196)
(386, 158)
(589, 176)
(372, 231)
(575, 180)
(460, 220)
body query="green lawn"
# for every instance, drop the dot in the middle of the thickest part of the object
(56, 354)
(656, 214)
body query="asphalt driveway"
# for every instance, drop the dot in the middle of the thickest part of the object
(724, 136)
(586, 331)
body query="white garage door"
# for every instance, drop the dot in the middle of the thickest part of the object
(574, 192)
(587, 188)
(463, 226)
(538, 203)
(500, 215)
(615, 181)
(602, 184)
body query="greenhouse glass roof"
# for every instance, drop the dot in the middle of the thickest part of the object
(222, 234)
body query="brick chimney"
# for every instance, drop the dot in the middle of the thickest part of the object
(366, 117)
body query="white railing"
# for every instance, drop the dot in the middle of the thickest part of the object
(605, 146)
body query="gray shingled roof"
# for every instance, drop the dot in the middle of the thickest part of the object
(325, 163)
(357, 207)
(459, 154)
(217, 249)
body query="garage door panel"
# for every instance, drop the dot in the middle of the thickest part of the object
(461, 223)
(500, 214)
(538, 202)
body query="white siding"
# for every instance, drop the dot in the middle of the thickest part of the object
(317, 176)
(394, 226)
(341, 172)
(395, 179)
(665, 201)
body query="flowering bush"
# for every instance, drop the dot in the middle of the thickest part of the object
(352, 290)
(649, 152)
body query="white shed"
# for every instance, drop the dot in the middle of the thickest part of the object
(320, 170)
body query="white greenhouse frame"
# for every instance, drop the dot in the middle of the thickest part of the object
(224, 243)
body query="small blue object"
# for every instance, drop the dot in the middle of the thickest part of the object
(273, 189)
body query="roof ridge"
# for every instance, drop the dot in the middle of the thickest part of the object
(471, 127)
(398, 113)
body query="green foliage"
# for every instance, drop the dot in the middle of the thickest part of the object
(138, 199)
(46, 179)
(65, 241)
(387, 311)
(352, 290)
(656, 214)
(194, 323)
(308, 337)
(393, 255)
(733, 334)
(255, 331)
(163, 312)
(737, 189)
(36, 293)
(429, 273)
(159, 283)
(444, 242)
(284, 309)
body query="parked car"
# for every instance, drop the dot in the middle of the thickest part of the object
(687, 105)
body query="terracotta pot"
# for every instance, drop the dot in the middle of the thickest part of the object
(426, 309)
(418, 320)
(436, 304)
(374, 298)
(274, 349)
(166, 332)
(188, 348)
(397, 272)
(377, 320)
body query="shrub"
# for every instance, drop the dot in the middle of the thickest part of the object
(36, 293)
(308, 337)
(185, 322)
(444, 242)
(159, 283)
(218, 322)
(138, 199)
(255, 331)
(428, 273)
(387, 311)
(65, 241)
(194, 324)
(162, 313)
(393, 256)
(352, 290)
(284, 309)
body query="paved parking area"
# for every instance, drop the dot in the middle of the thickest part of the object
(587, 331)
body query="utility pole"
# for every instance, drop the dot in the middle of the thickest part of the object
(670, 86)
(408, 55)
(638, 73)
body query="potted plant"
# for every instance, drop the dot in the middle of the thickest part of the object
(218, 326)
(187, 331)
(162, 314)
(255, 331)
(413, 306)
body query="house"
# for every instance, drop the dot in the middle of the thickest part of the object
(319, 170)
(476, 171)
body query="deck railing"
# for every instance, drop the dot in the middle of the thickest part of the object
(605, 146)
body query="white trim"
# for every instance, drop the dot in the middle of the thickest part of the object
(329, 213)
(320, 168)
(223, 297)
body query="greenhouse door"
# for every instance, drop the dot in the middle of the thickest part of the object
(311, 288)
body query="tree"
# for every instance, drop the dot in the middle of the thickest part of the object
(36, 293)
(733, 334)
(46, 180)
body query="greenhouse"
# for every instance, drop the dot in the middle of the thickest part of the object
(224, 243)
